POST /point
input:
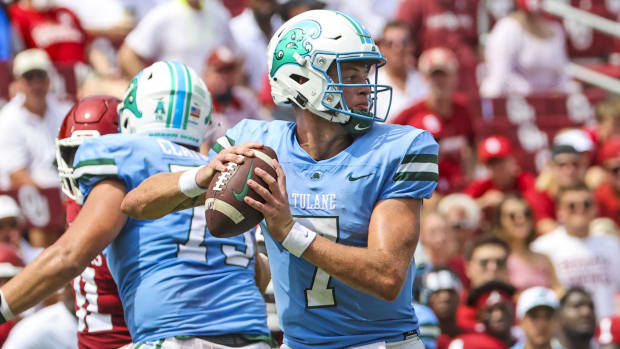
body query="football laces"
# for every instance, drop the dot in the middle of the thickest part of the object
(224, 177)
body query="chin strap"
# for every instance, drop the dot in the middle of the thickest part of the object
(356, 125)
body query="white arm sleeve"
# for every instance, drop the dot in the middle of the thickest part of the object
(144, 38)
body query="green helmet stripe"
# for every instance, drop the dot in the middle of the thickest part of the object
(361, 31)
(188, 97)
(172, 95)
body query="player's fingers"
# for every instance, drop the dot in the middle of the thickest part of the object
(267, 178)
(260, 190)
(246, 148)
(281, 175)
(255, 204)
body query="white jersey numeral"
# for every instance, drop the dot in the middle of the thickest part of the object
(89, 318)
(320, 294)
(195, 248)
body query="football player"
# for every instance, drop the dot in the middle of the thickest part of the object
(179, 286)
(97, 303)
(343, 226)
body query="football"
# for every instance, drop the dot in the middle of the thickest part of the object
(226, 212)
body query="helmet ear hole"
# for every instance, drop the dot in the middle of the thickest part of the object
(126, 123)
(299, 79)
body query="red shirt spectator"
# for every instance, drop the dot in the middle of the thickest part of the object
(446, 23)
(608, 194)
(452, 133)
(56, 30)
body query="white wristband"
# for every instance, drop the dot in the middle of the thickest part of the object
(298, 239)
(4, 308)
(188, 185)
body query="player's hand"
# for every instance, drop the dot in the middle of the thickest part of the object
(276, 209)
(234, 154)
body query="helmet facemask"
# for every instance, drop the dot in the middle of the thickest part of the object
(65, 153)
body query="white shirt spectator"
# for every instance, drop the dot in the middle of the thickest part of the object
(416, 90)
(27, 140)
(251, 42)
(591, 263)
(520, 63)
(175, 31)
(51, 327)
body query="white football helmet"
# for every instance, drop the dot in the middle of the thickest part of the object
(167, 100)
(306, 46)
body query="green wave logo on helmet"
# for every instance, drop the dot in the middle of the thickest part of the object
(296, 40)
(129, 101)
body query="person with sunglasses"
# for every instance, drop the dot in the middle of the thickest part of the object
(408, 85)
(608, 193)
(29, 123)
(486, 260)
(581, 257)
(514, 223)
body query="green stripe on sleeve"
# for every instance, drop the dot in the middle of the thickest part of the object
(95, 162)
(409, 158)
(217, 147)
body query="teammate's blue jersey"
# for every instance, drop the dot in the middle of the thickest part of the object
(335, 197)
(173, 277)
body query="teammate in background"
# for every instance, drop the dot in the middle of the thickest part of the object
(98, 306)
(343, 228)
(179, 286)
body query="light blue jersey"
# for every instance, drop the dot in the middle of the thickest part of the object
(335, 198)
(173, 277)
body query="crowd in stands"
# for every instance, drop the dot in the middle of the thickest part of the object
(520, 244)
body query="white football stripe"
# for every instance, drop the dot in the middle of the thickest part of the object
(419, 167)
(225, 208)
(223, 141)
(264, 157)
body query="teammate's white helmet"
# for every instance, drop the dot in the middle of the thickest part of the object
(167, 100)
(306, 46)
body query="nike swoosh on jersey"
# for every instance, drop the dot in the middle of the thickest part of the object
(353, 179)
(239, 196)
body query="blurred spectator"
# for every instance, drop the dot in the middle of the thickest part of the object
(6, 35)
(408, 87)
(177, 30)
(291, 8)
(463, 215)
(54, 326)
(537, 313)
(440, 244)
(494, 308)
(445, 23)
(29, 123)
(577, 320)
(10, 229)
(373, 13)
(10, 265)
(525, 53)
(506, 177)
(570, 157)
(140, 8)
(608, 193)
(446, 117)
(252, 30)
(486, 261)
(609, 111)
(579, 257)
(231, 101)
(514, 223)
(608, 333)
(441, 289)
(57, 30)
(429, 325)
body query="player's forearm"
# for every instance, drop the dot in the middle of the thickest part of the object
(54, 268)
(262, 273)
(158, 196)
(374, 271)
